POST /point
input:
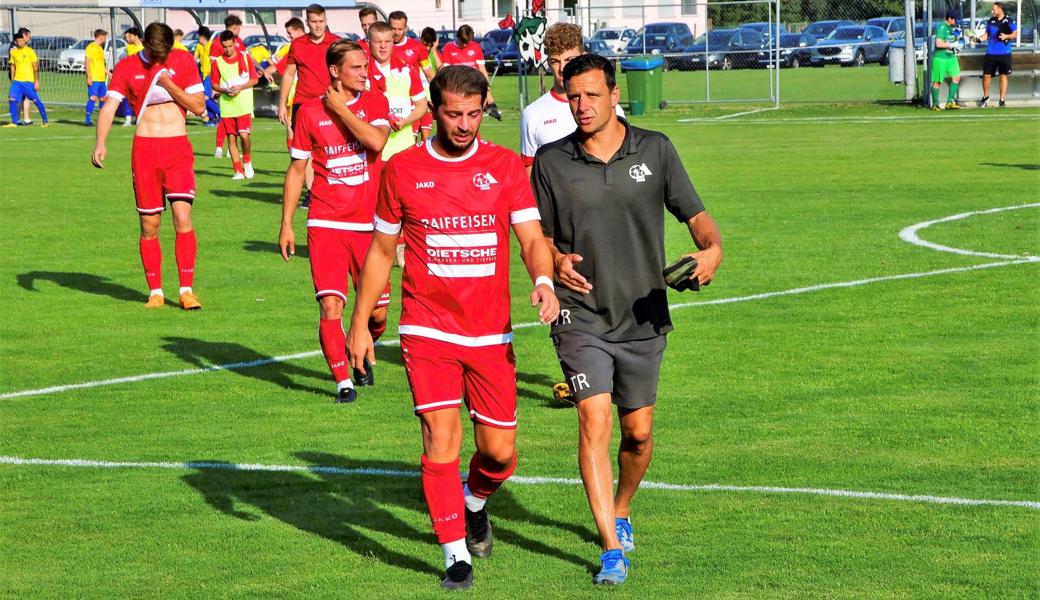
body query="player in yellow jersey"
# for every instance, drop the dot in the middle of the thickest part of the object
(178, 40)
(97, 73)
(25, 80)
(202, 57)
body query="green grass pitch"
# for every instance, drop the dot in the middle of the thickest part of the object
(913, 386)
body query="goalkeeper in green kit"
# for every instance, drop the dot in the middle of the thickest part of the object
(944, 64)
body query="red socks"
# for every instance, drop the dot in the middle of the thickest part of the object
(482, 480)
(246, 157)
(151, 258)
(221, 134)
(185, 248)
(238, 167)
(334, 346)
(443, 491)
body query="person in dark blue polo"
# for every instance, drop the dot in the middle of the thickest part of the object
(1001, 30)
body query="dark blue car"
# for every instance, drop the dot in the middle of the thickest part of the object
(821, 29)
(660, 38)
(795, 51)
(723, 49)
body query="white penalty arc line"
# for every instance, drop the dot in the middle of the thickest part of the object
(518, 479)
(909, 234)
(393, 342)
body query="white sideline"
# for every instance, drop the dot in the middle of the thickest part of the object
(519, 479)
(864, 119)
(746, 112)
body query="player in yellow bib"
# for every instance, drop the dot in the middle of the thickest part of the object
(402, 86)
(97, 74)
(234, 76)
(25, 80)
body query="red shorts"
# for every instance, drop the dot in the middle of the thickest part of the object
(162, 168)
(443, 375)
(237, 125)
(337, 255)
(427, 121)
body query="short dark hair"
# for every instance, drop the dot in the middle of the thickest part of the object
(177, 32)
(295, 23)
(591, 62)
(24, 30)
(1002, 6)
(428, 35)
(204, 32)
(463, 35)
(315, 9)
(232, 20)
(17, 36)
(397, 15)
(338, 50)
(368, 11)
(458, 79)
(135, 31)
(158, 41)
(100, 32)
(227, 36)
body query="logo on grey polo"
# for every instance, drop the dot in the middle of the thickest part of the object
(639, 172)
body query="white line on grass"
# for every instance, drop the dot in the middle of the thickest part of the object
(519, 479)
(393, 342)
(865, 119)
(746, 112)
(909, 234)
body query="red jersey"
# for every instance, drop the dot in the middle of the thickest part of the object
(469, 55)
(411, 51)
(215, 49)
(346, 174)
(363, 42)
(312, 72)
(134, 79)
(455, 216)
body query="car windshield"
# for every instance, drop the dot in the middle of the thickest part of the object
(882, 23)
(80, 45)
(821, 29)
(606, 34)
(715, 38)
(500, 36)
(847, 33)
(790, 40)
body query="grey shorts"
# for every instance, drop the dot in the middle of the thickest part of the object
(628, 371)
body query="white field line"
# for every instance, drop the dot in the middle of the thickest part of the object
(866, 119)
(909, 234)
(117, 134)
(746, 112)
(1014, 260)
(521, 480)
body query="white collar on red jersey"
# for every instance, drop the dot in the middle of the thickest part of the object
(438, 156)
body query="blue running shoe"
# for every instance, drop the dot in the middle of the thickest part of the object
(624, 534)
(613, 570)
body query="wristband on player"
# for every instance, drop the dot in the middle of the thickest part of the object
(543, 279)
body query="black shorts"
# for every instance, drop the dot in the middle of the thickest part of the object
(996, 63)
(628, 371)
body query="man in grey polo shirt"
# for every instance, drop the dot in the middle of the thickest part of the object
(602, 192)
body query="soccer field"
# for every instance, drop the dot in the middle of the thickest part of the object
(850, 410)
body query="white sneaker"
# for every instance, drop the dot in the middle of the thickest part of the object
(249, 170)
(239, 176)
(127, 122)
(218, 153)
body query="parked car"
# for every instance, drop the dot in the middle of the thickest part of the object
(852, 47)
(601, 48)
(723, 49)
(74, 59)
(660, 38)
(765, 29)
(49, 47)
(895, 27)
(500, 37)
(615, 38)
(821, 29)
(490, 50)
(275, 42)
(443, 37)
(795, 51)
(509, 58)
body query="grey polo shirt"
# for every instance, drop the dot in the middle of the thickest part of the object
(612, 214)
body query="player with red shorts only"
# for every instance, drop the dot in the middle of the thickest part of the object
(454, 198)
(161, 83)
(342, 134)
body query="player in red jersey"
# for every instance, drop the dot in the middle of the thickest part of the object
(160, 83)
(464, 51)
(409, 50)
(306, 65)
(366, 16)
(454, 198)
(342, 133)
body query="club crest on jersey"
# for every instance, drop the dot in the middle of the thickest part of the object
(483, 181)
(361, 114)
(639, 172)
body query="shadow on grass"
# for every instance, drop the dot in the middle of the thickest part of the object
(347, 501)
(203, 354)
(269, 197)
(272, 248)
(1023, 166)
(82, 282)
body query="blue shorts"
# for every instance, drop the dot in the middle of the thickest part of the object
(23, 89)
(98, 89)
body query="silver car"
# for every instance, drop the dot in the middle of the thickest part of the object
(73, 59)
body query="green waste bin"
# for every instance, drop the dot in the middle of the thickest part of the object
(645, 76)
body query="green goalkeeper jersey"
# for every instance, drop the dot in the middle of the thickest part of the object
(950, 35)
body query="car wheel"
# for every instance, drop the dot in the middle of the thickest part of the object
(795, 63)
(859, 59)
(727, 64)
(884, 58)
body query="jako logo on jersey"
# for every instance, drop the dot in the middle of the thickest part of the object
(483, 181)
(639, 172)
(548, 121)
(424, 185)
(325, 123)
